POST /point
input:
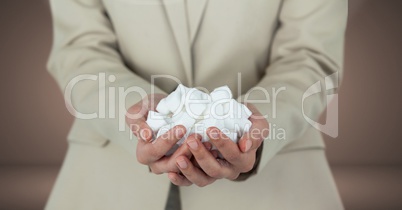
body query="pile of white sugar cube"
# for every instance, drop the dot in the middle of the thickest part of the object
(197, 111)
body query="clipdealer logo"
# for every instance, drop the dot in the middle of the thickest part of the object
(331, 126)
(111, 101)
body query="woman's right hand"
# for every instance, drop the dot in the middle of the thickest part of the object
(152, 153)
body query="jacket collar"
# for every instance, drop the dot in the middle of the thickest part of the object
(196, 10)
(184, 19)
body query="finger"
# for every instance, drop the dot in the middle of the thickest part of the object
(259, 122)
(225, 163)
(168, 163)
(256, 114)
(229, 150)
(258, 131)
(150, 152)
(193, 174)
(142, 131)
(179, 180)
(162, 166)
(183, 150)
(239, 161)
(136, 115)
(252, 139)
(247, 144)
(137, 111)
(208, 146)
(206, 160)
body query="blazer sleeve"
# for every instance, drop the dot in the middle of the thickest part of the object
(306, 49)
(85, 50)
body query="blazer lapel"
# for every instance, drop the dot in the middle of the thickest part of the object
(196, 10)
(176, 14)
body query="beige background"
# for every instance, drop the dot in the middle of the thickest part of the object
(366, 157)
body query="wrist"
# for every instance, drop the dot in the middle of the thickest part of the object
(246, 175)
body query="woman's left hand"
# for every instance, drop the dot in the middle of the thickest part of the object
(238, 158)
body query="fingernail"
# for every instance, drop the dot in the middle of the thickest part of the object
(214, 133)
(248, 145)
(180, 132)
(182, 163)
(148, 134)
(192, 144)
(145, 134)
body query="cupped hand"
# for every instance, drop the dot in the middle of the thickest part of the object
(238, 158)
(152, 153)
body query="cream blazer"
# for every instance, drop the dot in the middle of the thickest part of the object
(264, 44)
